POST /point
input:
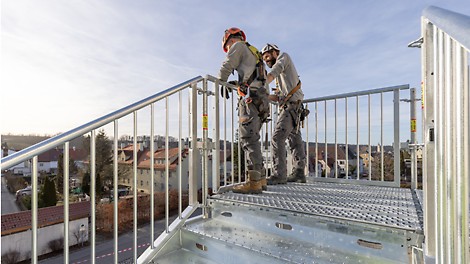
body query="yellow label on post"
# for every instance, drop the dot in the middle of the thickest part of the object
(205, 122)
(413, 125)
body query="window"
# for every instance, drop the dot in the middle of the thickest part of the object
(141, 183)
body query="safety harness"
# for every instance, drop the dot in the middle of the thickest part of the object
(258, 74)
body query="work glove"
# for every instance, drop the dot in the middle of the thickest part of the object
(227, 90)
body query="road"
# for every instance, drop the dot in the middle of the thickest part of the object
(104, 250)
(8, 200)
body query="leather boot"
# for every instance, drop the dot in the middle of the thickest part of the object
(252, 186)
(273, 180)
(297, 175)
(264, 184)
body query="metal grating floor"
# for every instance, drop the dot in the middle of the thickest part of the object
(386, 206)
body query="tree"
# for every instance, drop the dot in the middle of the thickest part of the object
(48, 193)
(86, 183)
(104, 159)
(60, 172)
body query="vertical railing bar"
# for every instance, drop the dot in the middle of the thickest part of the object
(115, 191)
(307, 147)
(336, 139)
(326, 140)
(233, 141)
(448, 149)
(93, 194)
(225, 138)
(266, 149)
(205, 149)
(193, 151)
(464, 153)
(65, 185)
(134, 169)
(316, 139)
(439, 150)
(413, 148)
(34, 211)
(457, 152)
(381, 138)
(167, 168)
(273, 122)
(180, 154)
(357, 137)
(346, 148)
(216, 138)
(152, 172)
(396, 137)
(370, 148)
(239, 155)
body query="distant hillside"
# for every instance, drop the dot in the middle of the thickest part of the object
(19, 142)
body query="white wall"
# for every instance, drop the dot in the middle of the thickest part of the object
(21, 241)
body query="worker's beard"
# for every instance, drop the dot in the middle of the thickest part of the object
(271, 62)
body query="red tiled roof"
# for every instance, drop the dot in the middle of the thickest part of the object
(21, 221)
(50, 155)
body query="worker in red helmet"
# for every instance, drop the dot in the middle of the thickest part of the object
(291, 113)
(253, 103)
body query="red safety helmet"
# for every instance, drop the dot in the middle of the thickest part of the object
(232, 32)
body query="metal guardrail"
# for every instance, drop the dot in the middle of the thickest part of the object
(113, 118)
(355, 96)
(205, 137)
(446, 129)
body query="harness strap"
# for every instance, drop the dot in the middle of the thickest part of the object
(289, 95)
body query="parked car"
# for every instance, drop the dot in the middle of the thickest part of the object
(23, 192)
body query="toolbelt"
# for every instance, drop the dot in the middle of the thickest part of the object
(257, 97)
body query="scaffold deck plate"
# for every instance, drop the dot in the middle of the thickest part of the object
(386, 206)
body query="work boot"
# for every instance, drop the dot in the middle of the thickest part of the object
(297, 175)
(252, 186)
(264, 184)
(273, 180)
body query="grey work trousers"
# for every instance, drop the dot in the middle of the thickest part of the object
(250, 126)
(286, 130)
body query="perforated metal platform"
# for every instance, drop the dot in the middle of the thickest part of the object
(303, 223)
(386, 206)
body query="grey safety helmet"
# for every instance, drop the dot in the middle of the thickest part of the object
(269, 47)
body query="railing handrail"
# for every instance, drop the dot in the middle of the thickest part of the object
(454, 24)
(360, 93)
(53, 142)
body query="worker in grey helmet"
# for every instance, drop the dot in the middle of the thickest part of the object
(289, 96)
(253, 103)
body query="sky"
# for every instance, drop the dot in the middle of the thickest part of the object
(65, 63)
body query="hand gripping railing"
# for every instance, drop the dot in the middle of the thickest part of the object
(446, 134)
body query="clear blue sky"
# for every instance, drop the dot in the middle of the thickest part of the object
(65, 63)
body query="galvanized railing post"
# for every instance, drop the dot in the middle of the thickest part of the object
(34, 211)
(216, 134)
(66, 201)
(93, 194)
(152, 172)
(167, 167)
(193, 150)
(205, 151)
(396, 137)
(115, 191)
(414, 169)
(135, 191)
